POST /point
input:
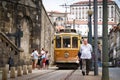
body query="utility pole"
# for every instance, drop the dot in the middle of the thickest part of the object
(105, 71)
(65, 6)
(95, 37)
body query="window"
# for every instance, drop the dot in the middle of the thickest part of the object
(83, 13)
(112, 11)
(59, 19)
(76, 13)
(108, 12)
(86, 12)
(100, 13)
(58, 42)
(66, 42)
(74, 42)
(79, 13)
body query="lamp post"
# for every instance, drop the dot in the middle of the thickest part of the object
(89, 23)
(73, 23)
(95, 38)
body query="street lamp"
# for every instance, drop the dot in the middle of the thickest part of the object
(73, 23)
(72, 17)
(90, 12)
(90, 23)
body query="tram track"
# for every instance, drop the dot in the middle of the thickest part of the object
(68, 76)
(54, 75)
(32, 78)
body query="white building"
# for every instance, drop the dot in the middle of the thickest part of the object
(58, 19)
(79, 11)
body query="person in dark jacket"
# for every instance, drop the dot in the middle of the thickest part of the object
(10, 62)
(80, 60)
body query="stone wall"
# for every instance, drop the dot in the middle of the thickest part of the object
(31, 18)
(47, 35)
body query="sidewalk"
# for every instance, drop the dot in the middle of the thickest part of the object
(91, 76)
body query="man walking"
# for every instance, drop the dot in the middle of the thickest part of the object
(86, 50)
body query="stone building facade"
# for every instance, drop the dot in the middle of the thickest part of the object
(27, 26)
(114, 45)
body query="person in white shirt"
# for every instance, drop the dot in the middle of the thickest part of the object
(35, 56)
(86, 55)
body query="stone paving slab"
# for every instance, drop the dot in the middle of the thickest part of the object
(76, 76)
(30, 75)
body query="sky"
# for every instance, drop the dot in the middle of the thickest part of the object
(54, 5)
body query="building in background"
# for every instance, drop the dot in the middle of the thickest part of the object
(58, 19)
(114, 46)
(80, 12)
(78, 17)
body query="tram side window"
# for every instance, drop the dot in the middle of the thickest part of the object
(74, 42)
(66, 42)
(58, 42)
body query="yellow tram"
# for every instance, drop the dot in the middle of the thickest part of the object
(66, 47)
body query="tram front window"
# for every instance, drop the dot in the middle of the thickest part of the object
(66, 42)
(58, 42)
(74, 42)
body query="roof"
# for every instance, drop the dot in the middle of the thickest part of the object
(86, 2)
(57, 12)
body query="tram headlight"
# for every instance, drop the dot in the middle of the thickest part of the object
(66, 54)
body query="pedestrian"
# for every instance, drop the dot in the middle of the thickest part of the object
(99, 58)
(80, 60)
(43, 56)
(47, 59)
(32, 58)
(35, 56)
(10, 62)
(39, 62)
(86, 55)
